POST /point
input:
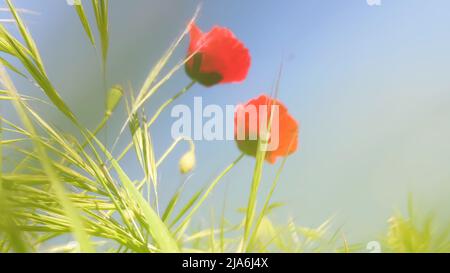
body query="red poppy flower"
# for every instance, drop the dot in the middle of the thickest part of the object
(284, 129)
(220, 57)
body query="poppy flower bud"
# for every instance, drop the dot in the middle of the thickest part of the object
(187, 162)
(113, 98)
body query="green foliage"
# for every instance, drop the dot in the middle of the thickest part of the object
(416, 234)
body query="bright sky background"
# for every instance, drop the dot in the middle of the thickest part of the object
(370, 86)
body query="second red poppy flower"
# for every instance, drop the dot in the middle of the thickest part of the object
(283, 127)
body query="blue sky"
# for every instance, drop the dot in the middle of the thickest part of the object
(369, 86)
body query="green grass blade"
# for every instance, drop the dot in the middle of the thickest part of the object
(101, 17)
(266, 206)
(171, 206)
(26, 35)
(251, 207)
(84, 21)
(159, 231)
(186, 207)
(11, 67)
